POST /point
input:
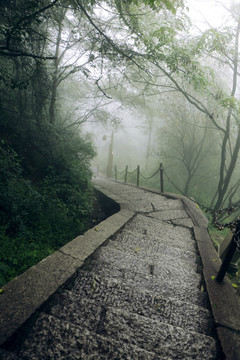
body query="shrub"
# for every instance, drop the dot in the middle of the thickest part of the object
(38, 217)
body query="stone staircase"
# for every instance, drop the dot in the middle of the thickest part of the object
(139, 296)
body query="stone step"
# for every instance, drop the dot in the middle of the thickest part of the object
(159, 253)
(163, 231)
(91, 291)
(162, 203)
(143, 244)
(53, 339)
(161, 284)
(142, 200)
(159, 266)
(132, 331)
(152, 335)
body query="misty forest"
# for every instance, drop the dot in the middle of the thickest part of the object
(78, 77)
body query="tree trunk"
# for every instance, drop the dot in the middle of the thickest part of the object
(226, 181)
(227, 172)
(52, 115)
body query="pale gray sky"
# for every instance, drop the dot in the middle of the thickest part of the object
(208, 11)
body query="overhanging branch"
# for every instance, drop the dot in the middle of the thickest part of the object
(15, 53)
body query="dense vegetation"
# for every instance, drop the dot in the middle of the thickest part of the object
(46, 196)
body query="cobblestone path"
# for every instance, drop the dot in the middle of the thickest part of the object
(140, 296)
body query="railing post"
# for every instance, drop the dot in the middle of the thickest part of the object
(115, 172)
(161, 177)
(126, 171)
(230, 252)
(138, 174)
(110, 157)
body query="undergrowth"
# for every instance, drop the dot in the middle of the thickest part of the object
(36, 218)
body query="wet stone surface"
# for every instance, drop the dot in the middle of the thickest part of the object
(144, 245)
(140, 296)
(144, 281)
(91, 287)
(163, 232)
(156, 265)
(186, 222)
(61, 340)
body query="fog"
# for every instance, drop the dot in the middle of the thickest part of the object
(180, 125)
(162, 78)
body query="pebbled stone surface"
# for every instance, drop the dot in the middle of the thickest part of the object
(169, 214)
(89, 287)
(163, 232)
(144, 246)
(153, 335)
(136, 199)
(133, 332)
(138, 296)
(146, 281)
(60, 340)
(158, 266)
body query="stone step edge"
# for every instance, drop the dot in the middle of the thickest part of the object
(113, 281)
(153, 239)
(121, 312)
(58, 324)
(206, 329)
(144, 256)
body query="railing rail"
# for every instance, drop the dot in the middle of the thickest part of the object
(139, 174)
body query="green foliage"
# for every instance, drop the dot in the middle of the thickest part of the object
(4, 273)
(235, 279)
(230, 102)
(45, 193)
(37, 219)
(17, 195)
(18, 20)
(215, 40)
(170, 5)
